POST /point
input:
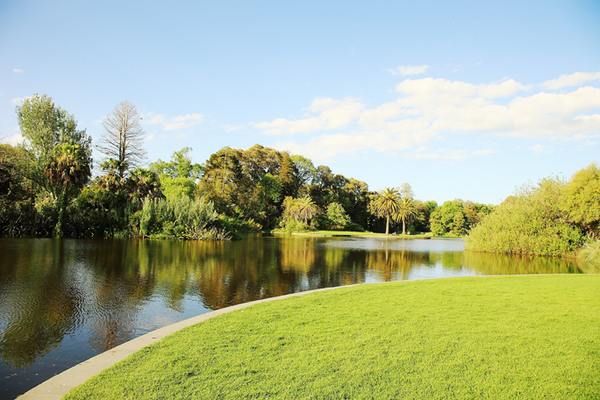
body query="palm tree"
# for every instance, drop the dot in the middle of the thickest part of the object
(406, 211)
(306, 209)
(387, 204)
(68, 171)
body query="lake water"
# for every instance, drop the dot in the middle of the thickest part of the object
(63, 301)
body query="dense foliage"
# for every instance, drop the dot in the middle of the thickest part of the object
(536, 220)
(180, 218)
(455, 218)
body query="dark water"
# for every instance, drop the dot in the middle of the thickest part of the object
(64, 301)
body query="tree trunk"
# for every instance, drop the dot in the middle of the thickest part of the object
(403, 226)
(387, 225)
(62, 204)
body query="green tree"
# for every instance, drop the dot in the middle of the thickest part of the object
(306, 209)
(422, 219)
(336, 216)
(459, 224)
(288, 184)
(68, 171)
(475, 212)
(442, 219)
(180, 166)
(386, 204)
(304, 171)
(297, 212)
(61, 153)
(406, 211)
(18, 215)
(179, 176)
(581, 199)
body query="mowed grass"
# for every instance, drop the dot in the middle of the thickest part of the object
(524, 337)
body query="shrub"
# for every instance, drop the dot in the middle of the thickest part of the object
(589, 257)
(531, 222)
(180, 218)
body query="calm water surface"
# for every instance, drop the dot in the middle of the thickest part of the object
(64, 301)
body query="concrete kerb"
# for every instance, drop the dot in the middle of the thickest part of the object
(59, 385)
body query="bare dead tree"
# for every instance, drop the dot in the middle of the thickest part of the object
(123, 139)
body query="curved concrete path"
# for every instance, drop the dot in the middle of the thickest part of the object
(59, 385)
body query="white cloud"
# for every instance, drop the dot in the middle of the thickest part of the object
(151, 118)
(17, 70)
(406, 70)
(174, 123)
(232, 128)
(331, 114)
(440, 154)
(483, 152)
(17, 101)
(539, 149)
(447, 154)
(576, 79)
(428, 109)
(184, 121)
(13, 140)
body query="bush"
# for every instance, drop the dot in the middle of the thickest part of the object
(181, 218)
(531, 222)
(589, 257)
(291, 225)
(236, 225)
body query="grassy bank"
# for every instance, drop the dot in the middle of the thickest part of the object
(495, 337)
(353, 234)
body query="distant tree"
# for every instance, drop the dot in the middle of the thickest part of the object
(475, 212)
(123, 139)
(386, 204)
(179, 176)
(297, 212)
(406, 191)
(336, 216)
(180, 166)
(142, 184)
(306, 209)
(422, 220)
(444, 219)
(459, 224)
(286, 176)
(407, 210)
(304, 171)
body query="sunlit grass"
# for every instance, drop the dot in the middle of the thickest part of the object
(494, 337)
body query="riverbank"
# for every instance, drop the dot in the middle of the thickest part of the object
(496, 337)
(353, 234)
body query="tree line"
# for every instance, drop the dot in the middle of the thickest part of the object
(46, 188)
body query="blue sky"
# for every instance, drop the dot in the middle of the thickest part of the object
(462, 99)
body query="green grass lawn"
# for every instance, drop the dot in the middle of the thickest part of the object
(514, 337)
